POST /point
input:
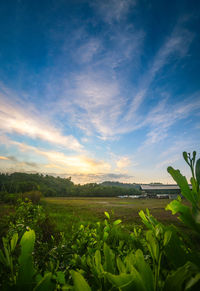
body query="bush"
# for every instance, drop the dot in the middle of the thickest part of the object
(11, 198)
(34, 196)
(2, 194)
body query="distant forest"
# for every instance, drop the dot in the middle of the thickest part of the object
(50, 186)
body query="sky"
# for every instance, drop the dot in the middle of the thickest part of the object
(99, 90)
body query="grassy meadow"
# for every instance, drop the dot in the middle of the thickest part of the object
(66, 212)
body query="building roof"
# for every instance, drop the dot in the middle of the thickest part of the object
(160, 187)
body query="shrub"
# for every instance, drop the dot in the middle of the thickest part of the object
(34, 196)
(11, 198)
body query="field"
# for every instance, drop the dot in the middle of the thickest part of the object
(68, 211)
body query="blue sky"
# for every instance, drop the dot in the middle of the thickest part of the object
(99, 90)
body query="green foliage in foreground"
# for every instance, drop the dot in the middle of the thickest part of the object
(190, 216)
(104, 256)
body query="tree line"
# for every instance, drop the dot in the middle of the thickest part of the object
(51, 186)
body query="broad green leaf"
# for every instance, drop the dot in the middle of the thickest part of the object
(177, 280)
(105, 235)
(194, 156)
(45, 284)
(89, 261)
(13, 241)
(38, 278)
(158, 230)
(148, 212)
(152, 245)
(3, 258)
(122, 281)
(197, 172)
(197, 218)
(145, 220)
(130, 261)
(176, 206)
(116, 222)
(127, 282)
(192, 282)
(120, 265)
(6, 251)
(107, 214)
(185, 214)
(109, 264)
(26, 268)
(175, 251)
(106, 228)
(80, 284)
(185, 156)
(167, 237)
(148, 219)
(142, 274)
(144, 270)
(182, 182)
(60, 277)
(194, 188)
(97, 258)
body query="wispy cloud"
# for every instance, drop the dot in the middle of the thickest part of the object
(97, 103)
(25, 120)
(22, 163)
(95, 95)
(59, 160)
(175, 46)
(88, 50)
(81, 169)
(12, 162)
(96, 98)
(169, 161)
(4, 158)
(113, 10)
(162, 118)
(98, 178)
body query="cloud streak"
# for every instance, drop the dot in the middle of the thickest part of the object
(164, 117)
(113, 10)
(12, 162)
(99, 177)
(22, 120)
(97, 100)
(4, 158)
(59, 160)
(177, 46)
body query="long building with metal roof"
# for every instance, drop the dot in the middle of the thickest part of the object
(161, 189)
